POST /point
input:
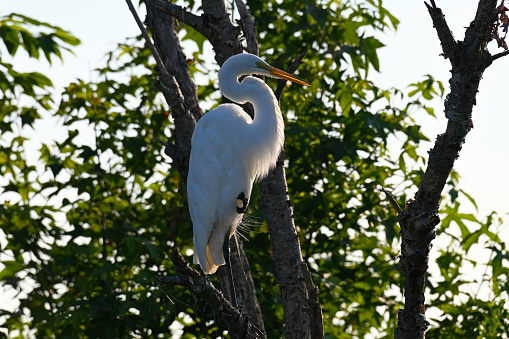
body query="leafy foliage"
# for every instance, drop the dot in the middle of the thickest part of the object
(337, 136)
(470, 304)
(91, 224)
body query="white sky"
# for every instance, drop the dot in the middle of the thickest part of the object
(410, 53)
(414, 51)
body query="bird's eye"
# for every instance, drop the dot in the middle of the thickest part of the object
(259, 64)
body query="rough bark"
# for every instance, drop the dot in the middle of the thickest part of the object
(469, 59)
(215, 24)
(278, 211)
(185, 107)
(198, 284)
(303, 313)
(244, 285)
(248, 27)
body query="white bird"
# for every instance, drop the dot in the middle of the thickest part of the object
(229, 151)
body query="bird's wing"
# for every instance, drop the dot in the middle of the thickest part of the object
(217, 175)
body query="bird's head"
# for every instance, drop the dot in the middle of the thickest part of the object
(251, 64)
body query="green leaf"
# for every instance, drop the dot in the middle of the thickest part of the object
(371, 45)
(151, 248)
(470, 199)
(430, 110)
(470, 239)
(496, 264)
(11, 269)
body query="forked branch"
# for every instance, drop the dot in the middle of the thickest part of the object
(469, 58)
(449, 45)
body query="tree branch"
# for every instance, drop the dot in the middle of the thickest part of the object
(177, 87)
(248, 27)
(200, 286)
(478, 34)
(449, 45)
(244, 284)
(314, 308)
(293, 67)
(499, 55)
(180, 13)
(168, 85)
(303, 312)
(160, 65)
(469, 60)
(215, 24)
(393, 201)
(286, 250)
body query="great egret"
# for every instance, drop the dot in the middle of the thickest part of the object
(229, 152)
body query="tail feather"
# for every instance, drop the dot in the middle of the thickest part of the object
(206, 262)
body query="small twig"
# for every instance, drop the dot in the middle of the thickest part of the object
(393, 201)
(499, 55)
(169, 149)
(293, 67)
(165, 144)
(160, 65)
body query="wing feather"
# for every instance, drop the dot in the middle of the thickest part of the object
(217, 174)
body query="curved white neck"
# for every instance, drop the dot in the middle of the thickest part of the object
(266, 131)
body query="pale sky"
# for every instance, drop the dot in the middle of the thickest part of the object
(414, 51)
(411, 53)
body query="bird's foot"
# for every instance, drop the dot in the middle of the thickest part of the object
(242, 203)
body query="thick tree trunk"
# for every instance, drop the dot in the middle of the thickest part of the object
(286, 251)
(469, 59)
(303, 312)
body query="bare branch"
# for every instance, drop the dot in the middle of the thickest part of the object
(177, 86)
(469, 58)
(169, 149)
(392, 201)
(214, 24)
(201, 287)
(222, 33)
(160, 65)
(499, 55)
(180, 13)
(244, 284)
(314, 308)
(449, 45)
(478, 33)
(293, 67)
(248, 27)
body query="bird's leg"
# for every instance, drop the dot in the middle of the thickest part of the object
(226, 253)
(242, 203)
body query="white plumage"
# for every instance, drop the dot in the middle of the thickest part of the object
(229, 152)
